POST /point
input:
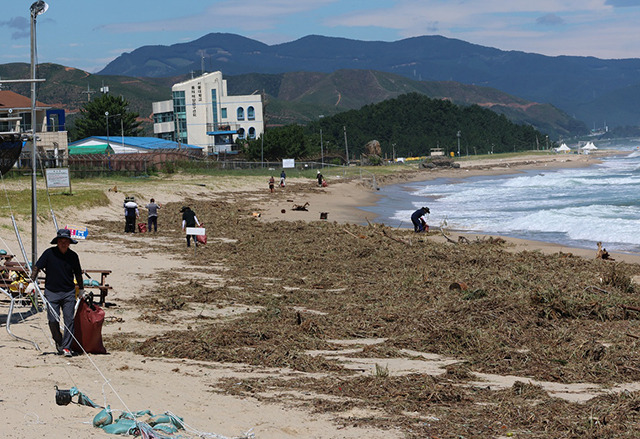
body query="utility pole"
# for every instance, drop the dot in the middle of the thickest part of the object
(89, 92)
(346, 145)
(459, 143)
(321, 150)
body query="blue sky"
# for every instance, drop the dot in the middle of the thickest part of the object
(87, 34)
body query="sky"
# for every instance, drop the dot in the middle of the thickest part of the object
(88, 34)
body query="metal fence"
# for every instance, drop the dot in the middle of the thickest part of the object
(141, 164)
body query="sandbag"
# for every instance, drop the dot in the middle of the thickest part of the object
(121, 426)
(88, 329)
(103, 418)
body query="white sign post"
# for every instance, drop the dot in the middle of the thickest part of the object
(57, 177)
(195, 231)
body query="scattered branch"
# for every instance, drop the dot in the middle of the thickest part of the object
(346, 231)
(591, 287)
(403, 241)
(446, 237)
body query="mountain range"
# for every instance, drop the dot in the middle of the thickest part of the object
(595, 91)
(296, 97)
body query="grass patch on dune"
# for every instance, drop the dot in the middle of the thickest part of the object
(19, 201)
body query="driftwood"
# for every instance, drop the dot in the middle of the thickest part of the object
(355, 236)
(403, 241)
(446, 237)
(300, 207)
(630, 308)
(603, 253)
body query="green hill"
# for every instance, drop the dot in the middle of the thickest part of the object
(297, 97)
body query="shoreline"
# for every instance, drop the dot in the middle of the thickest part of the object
(344, 200)
(159, 263)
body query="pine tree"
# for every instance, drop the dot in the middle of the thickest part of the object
(93, 119)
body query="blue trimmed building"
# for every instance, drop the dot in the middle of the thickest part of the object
(202, 114)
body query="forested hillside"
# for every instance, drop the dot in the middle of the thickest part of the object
(410, 125)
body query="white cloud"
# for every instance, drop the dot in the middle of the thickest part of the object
(581, 27)
(251, 15)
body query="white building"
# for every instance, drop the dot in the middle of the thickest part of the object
(202, 114)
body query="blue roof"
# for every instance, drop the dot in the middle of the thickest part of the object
(140, 142)
(218, 133)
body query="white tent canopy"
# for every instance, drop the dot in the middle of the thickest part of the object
(563, 148)
(589, 147)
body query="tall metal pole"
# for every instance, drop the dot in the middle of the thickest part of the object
(346, 146)
(262, 150)
(458, 143)
(321, 150)
(34, 199)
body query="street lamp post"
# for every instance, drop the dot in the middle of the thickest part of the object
(321, 149)
(458, 143)
(106, 117)
(346, 146)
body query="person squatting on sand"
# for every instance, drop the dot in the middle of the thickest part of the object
(61, 265)
(152, 219)
(283, 177)
(189, 219)
(320, 178)
(419, 224)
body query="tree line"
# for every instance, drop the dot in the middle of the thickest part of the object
(409, 125)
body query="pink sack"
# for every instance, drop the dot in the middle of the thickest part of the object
(88, 329)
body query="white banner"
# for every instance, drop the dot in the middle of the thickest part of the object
(288, 163)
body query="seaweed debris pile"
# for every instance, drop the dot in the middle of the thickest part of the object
(395, 298)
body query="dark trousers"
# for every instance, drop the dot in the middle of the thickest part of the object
(130, 224)
(153, 220)
(195, 241)
(417, 225)
(65, 301)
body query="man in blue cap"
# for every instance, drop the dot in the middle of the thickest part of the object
(61, 266)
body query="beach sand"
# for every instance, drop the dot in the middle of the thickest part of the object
(133, 382)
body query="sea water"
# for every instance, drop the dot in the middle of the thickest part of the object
(576, 207)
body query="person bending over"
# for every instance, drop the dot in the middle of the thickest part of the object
(419, 225)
